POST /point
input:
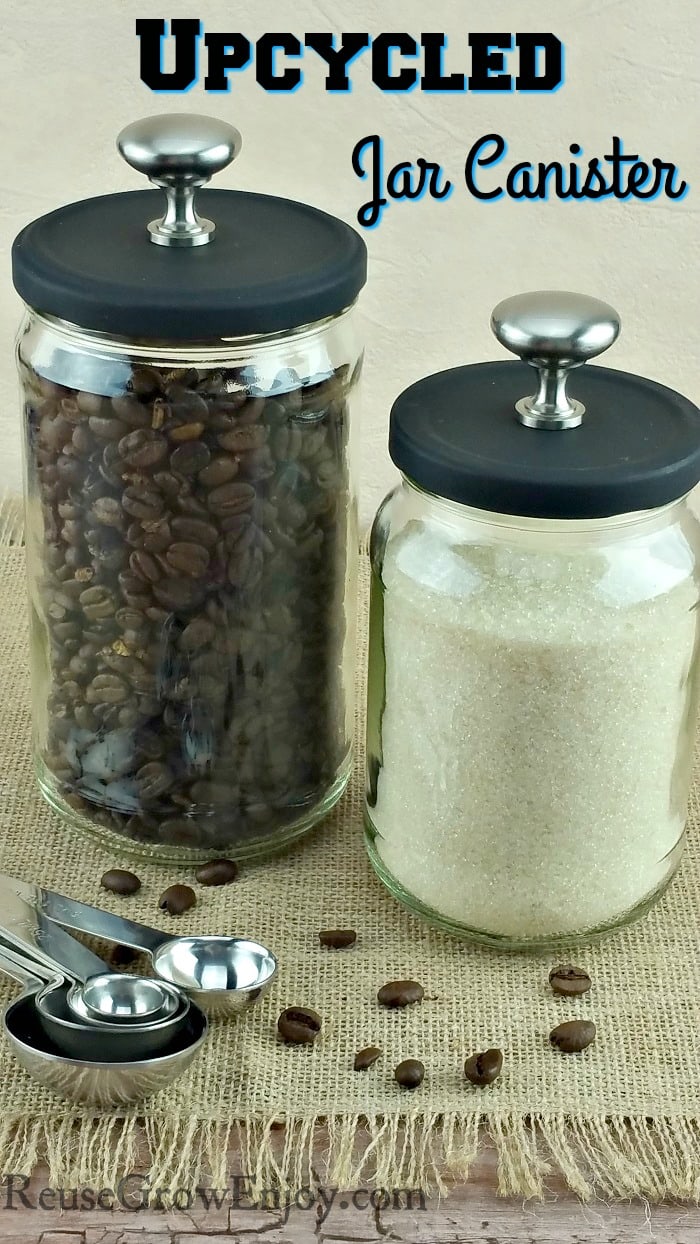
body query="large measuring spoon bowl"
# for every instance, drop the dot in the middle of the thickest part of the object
(97, 1081)
(223, 975)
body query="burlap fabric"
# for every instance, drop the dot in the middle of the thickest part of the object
(621, 1120)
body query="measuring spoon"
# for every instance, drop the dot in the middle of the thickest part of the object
(98, 1081)
(223, 975)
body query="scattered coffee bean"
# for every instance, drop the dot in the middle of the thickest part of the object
(410, 1073)
(569, 981)
(573, 1036)
(400, 993)
(366, 1058)
(299, 1025)
(217, 872)
(123, 956)
(120, 881)
(177, 899)
(484, 1068)
(337, 939)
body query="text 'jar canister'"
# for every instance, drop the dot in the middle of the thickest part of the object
(191, 533)
(534, 637)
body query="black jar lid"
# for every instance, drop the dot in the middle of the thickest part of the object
(591, 442)
(255, 264)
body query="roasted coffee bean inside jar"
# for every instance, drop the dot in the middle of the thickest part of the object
(189, 599)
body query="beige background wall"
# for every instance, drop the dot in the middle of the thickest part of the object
(69, 81)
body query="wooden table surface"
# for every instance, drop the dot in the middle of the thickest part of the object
(472, 1212)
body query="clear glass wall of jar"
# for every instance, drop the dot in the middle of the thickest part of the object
(532, 706)
(191, 537)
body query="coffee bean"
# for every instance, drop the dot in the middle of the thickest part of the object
(299, 1025)
(142, 502)
(242, 439)
(107, 510)
(400, 993)
(196, 530)
(143, 448)
(189, 458)
(484, 1068)
(106, 689)
(186, 432)
(177, 899)
(170, 485)
(573, 1036)
(217, 872)
(123, 956)
(97, 603)
(569, 981)
(120, 881)
(177, 593)
(219, 471)
(337, 939)
(106, 429)
(145, 381)
(197, 634)
(130, 411)
(232, 498)
(366, 1058)
(145, 566)
(410, 1074)
(153, 779)
(188, 559)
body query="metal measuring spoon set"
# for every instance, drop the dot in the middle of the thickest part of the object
(101, 1036)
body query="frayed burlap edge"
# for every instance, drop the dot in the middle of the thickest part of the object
(614, 1157)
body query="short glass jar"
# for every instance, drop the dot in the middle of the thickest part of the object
(191, 539)
(533, 695)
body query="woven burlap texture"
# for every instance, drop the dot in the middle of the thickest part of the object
(620, 1120)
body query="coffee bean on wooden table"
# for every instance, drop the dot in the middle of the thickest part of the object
(400, 993)
(193, 541)
(366, 1058)
(299, 1025)
(177, 899)
(410, 1073)
(484, 1068)
(120, 881)
(569, 981)
(337, 939)
(217, 872)
(573, 1036)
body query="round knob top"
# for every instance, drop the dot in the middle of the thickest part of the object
(554, 331)
(179, 151)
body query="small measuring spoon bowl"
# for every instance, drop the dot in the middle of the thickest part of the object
(87, 1038)
(114, 998)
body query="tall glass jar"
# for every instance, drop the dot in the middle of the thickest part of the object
(534, 677)
(191, 515)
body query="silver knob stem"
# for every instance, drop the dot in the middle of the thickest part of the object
(179, 152)
(554, 332)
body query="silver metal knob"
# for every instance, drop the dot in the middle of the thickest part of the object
(179, 152)
(554, 332)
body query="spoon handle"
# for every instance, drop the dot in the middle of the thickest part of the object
(21, 970)
(26, 926)
(73, 914)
